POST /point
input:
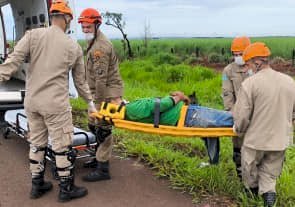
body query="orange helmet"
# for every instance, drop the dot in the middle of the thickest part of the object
(239, 44)
(60, 7)
(91, 16)
(257, 49)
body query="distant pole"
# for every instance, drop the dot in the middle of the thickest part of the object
(222, 51)
(293, 57)
(197, 52)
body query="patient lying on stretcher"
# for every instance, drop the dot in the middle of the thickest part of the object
(143, 110)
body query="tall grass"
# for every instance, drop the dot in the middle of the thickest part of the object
(179, 159)
(148, 78)
(280, 46)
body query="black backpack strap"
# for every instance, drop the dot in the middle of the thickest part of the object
(157, 112)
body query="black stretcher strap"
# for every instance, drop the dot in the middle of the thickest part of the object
(105, 105)
(157, 112)
(120, 107)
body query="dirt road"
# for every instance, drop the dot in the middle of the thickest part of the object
(132, 184)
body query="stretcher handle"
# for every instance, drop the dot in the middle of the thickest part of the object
(17, 124)
(86, 137)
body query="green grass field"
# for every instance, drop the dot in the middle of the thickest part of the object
(280, 46)
(179, 159)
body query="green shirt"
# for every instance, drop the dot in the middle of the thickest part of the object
(142, 110)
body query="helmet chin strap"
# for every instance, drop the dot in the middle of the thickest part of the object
(97, 25)
(67, 29)
(259, 66)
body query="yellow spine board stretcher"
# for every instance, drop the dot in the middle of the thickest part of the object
(115, 114)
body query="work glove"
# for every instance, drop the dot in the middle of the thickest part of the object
(125, 102)
(91, 108)
(117, 101)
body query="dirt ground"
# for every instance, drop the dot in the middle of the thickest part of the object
(132, 184)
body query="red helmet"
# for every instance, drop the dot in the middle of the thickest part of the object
(91, 16)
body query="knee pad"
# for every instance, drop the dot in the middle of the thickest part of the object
(36, 149)
(37, 160)
(71, 154)
(71, 157)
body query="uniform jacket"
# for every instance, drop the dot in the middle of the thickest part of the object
(52, 54)
(232, 78)
(263, 111)
(102, 70)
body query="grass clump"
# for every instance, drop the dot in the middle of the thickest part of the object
(166, 58)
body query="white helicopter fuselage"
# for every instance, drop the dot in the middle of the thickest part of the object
(27, 15)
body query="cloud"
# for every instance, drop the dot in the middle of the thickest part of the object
(202, 17)
(197, 17)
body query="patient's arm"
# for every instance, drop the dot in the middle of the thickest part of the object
(179, 96)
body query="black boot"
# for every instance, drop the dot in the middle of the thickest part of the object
(269, 199)
(69, 191)
(251, 192)
(39, 187)
(90, 164)
(100, 173)
(237, 161)
(254, 191)
(213, 148)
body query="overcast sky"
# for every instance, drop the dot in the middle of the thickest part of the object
(197, 17)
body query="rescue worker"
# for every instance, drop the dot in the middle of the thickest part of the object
(105, 84)
(51, 54)
(232, 77)
(263, 116)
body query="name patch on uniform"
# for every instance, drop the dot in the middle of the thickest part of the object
(224, 77)
(97, 54)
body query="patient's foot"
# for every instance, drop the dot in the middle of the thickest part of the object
(193, 98)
